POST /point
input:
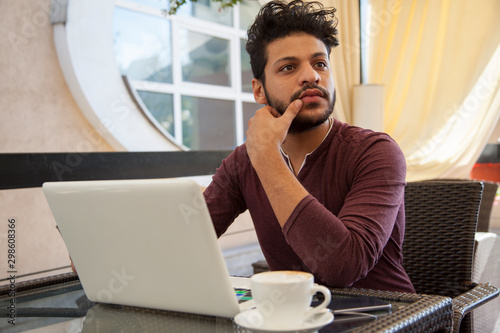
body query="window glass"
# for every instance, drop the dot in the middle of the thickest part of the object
(143, 46)
(161, 107)
(248, 11)
(158, 4)
(208, 124)
(171, 61)
(248, 112)
(246, 69)
(205, 59)
(207, 10)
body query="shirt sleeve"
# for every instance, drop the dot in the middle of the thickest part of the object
(341, 249)
(223, 196)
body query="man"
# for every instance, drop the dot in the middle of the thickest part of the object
(325, 197)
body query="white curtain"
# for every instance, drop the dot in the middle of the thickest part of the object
(439, 61)
(345, 58)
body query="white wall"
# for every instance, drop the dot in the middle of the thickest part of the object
(38, 115)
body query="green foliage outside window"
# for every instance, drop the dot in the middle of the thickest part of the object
(175, 4)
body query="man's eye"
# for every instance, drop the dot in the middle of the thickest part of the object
(321, 64)
(286, 68)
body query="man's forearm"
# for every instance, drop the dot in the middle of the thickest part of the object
(267, 130)
(281, 186)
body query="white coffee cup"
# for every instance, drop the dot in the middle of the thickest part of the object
(283, 298)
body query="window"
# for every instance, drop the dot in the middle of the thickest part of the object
(189, 72)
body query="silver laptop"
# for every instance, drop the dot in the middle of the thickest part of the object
(145, 243)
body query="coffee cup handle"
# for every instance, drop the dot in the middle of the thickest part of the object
(317, 309)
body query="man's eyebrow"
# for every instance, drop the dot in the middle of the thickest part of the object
(320, 54)
(284, 59)
(290, 58)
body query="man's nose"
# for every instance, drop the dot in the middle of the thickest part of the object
(309, 75)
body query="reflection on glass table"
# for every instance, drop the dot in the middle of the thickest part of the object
(59, 304)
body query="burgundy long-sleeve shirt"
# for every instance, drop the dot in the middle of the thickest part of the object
(348, 231)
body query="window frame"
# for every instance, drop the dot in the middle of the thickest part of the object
(116, 115)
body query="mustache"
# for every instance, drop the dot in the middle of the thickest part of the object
(308, 86)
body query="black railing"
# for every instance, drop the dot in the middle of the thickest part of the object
(24, 170)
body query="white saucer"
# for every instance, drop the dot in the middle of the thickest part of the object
(252, 320)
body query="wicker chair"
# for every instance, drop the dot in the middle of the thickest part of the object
(441, 221)
(489, 194)
(487, 268)
(487, 199)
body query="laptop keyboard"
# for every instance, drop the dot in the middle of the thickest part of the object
(243, 295)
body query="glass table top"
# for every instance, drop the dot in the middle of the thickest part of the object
(63, 307)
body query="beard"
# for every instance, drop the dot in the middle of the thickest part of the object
(304, 122)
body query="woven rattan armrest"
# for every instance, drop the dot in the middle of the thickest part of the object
(468, 301)
(423, 313)
(41, 283)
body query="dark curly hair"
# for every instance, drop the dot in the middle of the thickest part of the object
(278, 19)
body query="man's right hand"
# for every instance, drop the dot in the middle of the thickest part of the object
(267, 131)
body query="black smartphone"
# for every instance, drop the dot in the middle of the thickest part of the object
(358, 304)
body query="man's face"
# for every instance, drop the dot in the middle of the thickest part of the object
(298, 67)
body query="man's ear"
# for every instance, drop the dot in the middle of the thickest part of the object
(258, 91)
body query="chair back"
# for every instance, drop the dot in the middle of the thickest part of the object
(489, 194)
(441, 220)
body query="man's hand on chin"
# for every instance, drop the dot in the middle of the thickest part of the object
(267, 131)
